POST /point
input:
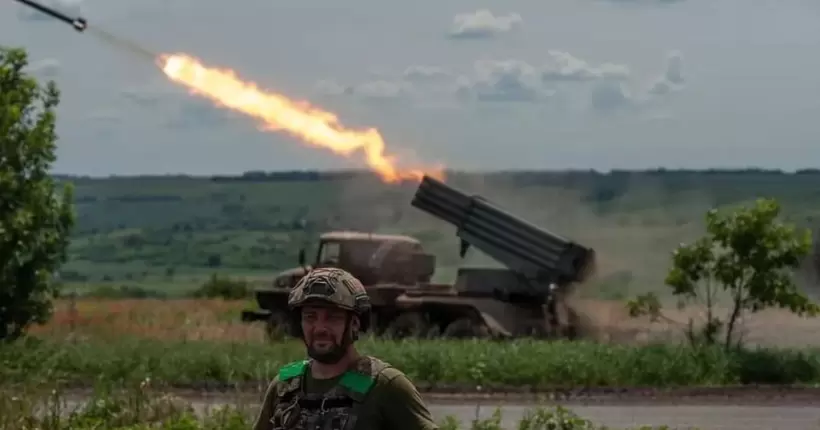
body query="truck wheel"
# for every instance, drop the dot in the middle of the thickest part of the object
(466, 328)
(277, 326)
(408, 325)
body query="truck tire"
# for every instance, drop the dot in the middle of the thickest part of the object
(409, 325)
(465, 328)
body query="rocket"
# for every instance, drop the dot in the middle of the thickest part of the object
(78, 23)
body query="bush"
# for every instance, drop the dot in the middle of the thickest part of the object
(35, 220)
(749, 257)
(218, 287)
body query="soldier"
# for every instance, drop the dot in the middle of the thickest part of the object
(338, 389)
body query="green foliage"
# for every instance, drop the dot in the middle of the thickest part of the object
(558, 418)
(748, 254)
(142, 408)
(219, 287)
(35, 222)
(450, 364)
(124, 292)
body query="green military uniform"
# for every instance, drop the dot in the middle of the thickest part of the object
(384, 399)
(371, 395)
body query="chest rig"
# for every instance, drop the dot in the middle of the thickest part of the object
(336, 409)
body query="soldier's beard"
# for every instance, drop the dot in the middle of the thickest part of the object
(336, 353)
(333, 356)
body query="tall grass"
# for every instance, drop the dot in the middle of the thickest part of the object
(538, 364)
(201, 342)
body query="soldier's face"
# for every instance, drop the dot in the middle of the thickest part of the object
(324, 328)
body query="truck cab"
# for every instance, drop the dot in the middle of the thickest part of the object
(393, 262)
(372, 258)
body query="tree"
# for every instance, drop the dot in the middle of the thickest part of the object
(751, 256)
(35, 220)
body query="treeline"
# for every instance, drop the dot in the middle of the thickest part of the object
(302, 200)
(315, 175)
(258, 220)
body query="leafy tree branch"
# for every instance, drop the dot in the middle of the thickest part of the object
(35, 219)
(751, 256)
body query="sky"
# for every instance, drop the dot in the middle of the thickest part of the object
(478, 85)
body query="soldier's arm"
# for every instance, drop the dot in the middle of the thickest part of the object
(402, 407)
(263, 420)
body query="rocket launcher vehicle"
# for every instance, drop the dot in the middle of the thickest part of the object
(542, 259)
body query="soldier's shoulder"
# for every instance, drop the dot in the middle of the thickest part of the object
(383, 371)
(369, 365)
(392, 384)
(272, 390)
(390, 375)
(286, 378)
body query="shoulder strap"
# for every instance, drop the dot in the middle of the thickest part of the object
(357, 382)
(292, 370)
(360, 380)
(290, 377)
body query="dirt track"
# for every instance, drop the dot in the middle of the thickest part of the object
(610, 322)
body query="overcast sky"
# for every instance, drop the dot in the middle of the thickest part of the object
(471, 84)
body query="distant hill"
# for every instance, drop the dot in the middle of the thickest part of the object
(152, 229)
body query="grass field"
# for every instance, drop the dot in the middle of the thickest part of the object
(197, 343)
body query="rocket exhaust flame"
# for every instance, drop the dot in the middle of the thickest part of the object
(278, 113)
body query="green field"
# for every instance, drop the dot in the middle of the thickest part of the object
(462, 365)
(170, 233)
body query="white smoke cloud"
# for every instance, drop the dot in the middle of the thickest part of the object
(482, 24)
(518, 81)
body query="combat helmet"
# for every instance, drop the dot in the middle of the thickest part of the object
(330, 286)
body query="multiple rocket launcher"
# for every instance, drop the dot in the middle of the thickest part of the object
(541, 259)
